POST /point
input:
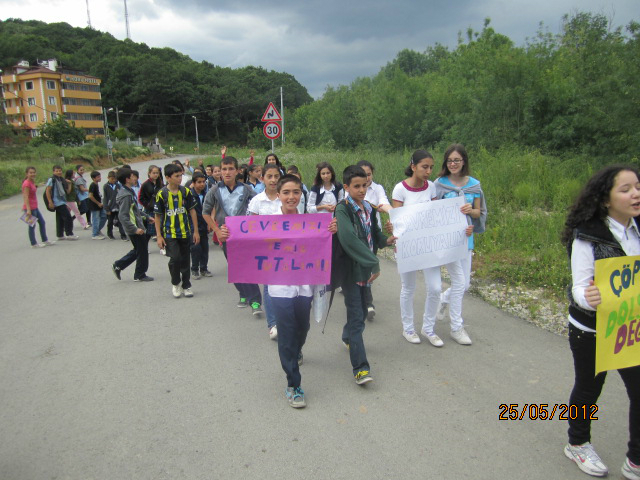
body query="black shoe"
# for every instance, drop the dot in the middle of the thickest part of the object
(123, 238)
(116, 271)
(146, 278)
(111, 237)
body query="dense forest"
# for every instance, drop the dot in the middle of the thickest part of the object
(577, 92)
(158, 89)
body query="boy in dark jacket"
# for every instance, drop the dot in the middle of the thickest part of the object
(358, 234)
(132, 220)
(110, 192)
(200, 252)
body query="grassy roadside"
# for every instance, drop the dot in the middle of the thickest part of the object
(14, 160)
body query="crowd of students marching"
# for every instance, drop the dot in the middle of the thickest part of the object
(180, 214)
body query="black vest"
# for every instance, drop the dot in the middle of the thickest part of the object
(604, 246)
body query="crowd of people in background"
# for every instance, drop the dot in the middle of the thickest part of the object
(181, 211)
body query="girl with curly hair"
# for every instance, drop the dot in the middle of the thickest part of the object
(602, 223)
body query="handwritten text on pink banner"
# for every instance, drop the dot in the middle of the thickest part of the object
(280, 249)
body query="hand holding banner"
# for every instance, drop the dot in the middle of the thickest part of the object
(618, 316)
(429, 234)
(280, 249)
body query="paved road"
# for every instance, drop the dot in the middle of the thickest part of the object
(112, 380)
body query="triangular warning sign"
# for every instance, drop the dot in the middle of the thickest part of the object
(271, 114)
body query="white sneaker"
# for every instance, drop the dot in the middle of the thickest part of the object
(73, 237)
(434, 339)
(630, 471)
(38, 245)
(411, 337)
(371, 312)
(273, 333)
(461, 337)
(49, 243)
(177, 291)
(188, 292)
(86, 227)
(98, 237)
(587, 459)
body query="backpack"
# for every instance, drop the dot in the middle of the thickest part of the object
(45, 200)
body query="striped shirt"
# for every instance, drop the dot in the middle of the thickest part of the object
(364, 214)
(174, 208)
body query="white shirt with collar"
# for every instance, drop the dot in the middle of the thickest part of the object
(329, 198)
(583, 261)
(289, 291)
(261, 205)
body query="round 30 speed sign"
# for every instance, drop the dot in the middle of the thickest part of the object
(272, 130)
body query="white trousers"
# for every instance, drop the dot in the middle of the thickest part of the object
(466, 269)
(433, 283)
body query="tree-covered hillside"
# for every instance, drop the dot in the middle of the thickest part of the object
(576, 91)
(158, 89)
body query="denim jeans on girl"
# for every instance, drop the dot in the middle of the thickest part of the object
(32, 230)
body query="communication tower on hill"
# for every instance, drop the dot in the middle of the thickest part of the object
(126, 19)
(88, 15)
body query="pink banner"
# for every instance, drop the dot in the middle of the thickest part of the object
(280, 249)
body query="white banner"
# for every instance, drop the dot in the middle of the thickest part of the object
(429, 234)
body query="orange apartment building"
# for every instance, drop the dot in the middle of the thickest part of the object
(34, 95)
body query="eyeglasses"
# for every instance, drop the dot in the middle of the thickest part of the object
(455, 161)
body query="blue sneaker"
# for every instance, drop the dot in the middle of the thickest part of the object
(295, 396)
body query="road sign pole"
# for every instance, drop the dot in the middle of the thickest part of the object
(282, 114)
(272, 149)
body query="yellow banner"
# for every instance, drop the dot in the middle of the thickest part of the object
(618, 316)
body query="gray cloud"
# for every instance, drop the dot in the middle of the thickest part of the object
(321, 43)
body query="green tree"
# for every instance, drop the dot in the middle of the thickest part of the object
(60, 132)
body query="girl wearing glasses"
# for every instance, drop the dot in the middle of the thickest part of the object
(454, 180)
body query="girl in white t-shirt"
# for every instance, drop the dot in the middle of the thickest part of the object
(268, 203)
(418, 189)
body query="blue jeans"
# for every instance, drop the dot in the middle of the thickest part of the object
(293, 324)
(98, 221)
(268, 305)
(355, 299)
(32, 230)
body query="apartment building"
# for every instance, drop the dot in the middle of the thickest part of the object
(34, 95)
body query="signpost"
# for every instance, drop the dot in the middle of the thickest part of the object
(272, 129)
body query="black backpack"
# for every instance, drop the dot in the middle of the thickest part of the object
(45, 200)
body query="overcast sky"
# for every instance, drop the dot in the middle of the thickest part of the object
(320, 42)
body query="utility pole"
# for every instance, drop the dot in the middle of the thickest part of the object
(107, 137)
(197, 141)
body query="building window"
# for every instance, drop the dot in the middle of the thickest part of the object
(28, 85)
(54, 115)
(34, 133)
(51, 85)
(33, 117)
(52, 100)
(31, 101)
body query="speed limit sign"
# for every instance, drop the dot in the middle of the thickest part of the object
(272, 130)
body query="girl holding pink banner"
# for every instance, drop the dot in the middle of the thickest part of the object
(604, 222)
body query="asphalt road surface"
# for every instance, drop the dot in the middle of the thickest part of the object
(107, 379)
